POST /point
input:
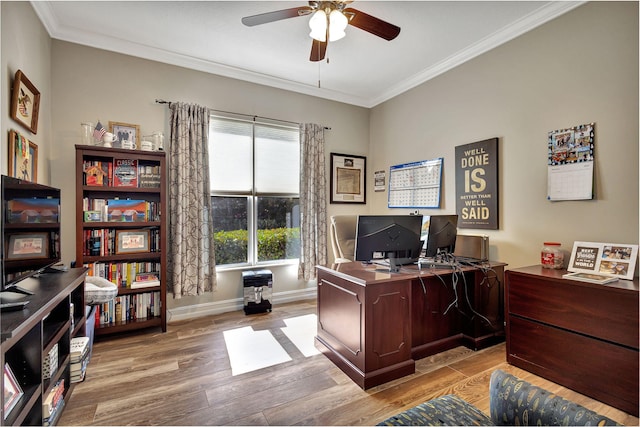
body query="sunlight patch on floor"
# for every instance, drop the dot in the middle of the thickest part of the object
(251, 350)
(301, 331)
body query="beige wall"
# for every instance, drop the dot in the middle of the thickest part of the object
(579, 68)
(29, 51)
(91, 84)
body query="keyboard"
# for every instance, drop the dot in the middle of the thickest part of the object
(431, 263)
(469, 260)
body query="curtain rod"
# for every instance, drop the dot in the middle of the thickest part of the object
(162, 101)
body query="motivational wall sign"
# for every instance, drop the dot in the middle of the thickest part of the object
(477, 184)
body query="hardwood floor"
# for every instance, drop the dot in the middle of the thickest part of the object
(183, 377)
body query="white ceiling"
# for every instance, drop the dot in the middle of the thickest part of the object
(362, 70)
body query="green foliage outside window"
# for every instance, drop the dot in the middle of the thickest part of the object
(273, 244)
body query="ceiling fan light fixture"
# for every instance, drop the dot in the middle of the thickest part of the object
(318, 25)
(337, 24)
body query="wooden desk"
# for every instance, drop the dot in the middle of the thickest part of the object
(581, 335)
(374, 324)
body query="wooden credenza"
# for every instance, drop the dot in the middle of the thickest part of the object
(374, 324)
(583, 336)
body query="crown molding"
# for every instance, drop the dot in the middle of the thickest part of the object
(535, 19)
(544, 14)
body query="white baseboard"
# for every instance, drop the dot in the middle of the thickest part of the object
(218, 307)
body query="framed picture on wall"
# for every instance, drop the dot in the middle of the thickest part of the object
(128, 135)
(25, 102)
(348, 174)
(23, 157)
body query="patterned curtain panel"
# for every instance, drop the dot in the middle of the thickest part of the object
(191, 258)
(313, 201)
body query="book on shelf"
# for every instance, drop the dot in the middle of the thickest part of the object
(127, 308)
(125, 173)
(52, 400)
(146, 280)
(101, 242)
(50, 362)
(145, 284)
(92, 216)
(149, 176)
(122, 274)
(127, 210)
(79, 348)
(78, 369)
(96, 173)
(53, 418)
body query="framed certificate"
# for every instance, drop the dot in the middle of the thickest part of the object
(348, 178)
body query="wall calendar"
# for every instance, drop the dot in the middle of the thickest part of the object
(416, 184)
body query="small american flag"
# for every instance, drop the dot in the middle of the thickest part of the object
(99, 131)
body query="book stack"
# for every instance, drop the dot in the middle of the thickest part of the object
(79, 354)
(52, 404)
(146, 280)
(50, 363)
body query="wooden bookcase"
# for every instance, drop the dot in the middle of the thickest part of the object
(29, 335)
(97, 238)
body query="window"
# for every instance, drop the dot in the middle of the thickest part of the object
(255, 174)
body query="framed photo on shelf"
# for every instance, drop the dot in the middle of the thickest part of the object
(348, 178)
(12, 391)
(132, 241)
(23, 157)
(128, 135)
(25, 102)
(28, 246)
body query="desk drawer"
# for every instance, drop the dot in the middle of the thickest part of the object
(609, 314)
(604, 371)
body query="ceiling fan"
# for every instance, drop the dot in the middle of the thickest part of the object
(328, 22)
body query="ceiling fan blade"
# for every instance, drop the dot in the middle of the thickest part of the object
(318, 50)
(264, 18)
(372, 25)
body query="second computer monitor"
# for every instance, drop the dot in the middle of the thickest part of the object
(443, 230)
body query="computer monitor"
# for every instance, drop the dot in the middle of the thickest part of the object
(441, 238)
(392, 237)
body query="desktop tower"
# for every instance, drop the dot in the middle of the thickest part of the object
(475, 247)
(258, 288)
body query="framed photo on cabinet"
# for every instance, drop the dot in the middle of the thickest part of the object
(127, 135)
(12, 391)
(348, 174)
(23, 157)
(28, 246)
